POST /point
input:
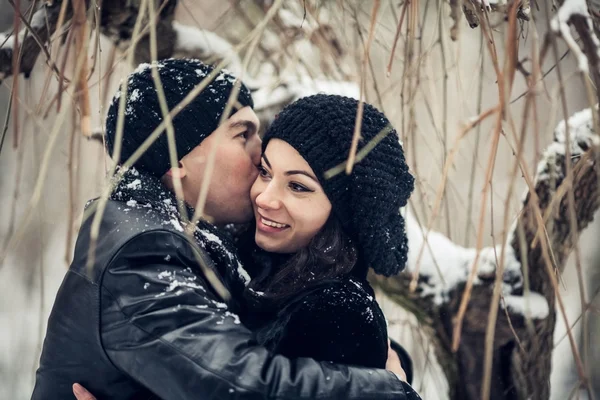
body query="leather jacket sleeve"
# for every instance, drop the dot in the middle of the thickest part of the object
(163, 326)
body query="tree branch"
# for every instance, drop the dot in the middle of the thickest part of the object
(517, 371)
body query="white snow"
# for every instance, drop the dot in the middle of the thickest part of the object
(165, 274)
(135, 95)
(135, 185)
(214, 238)
(192, 41)
(5, 41)
(559, 24)
(185, 283)
(143, 67)
(38, 20)
(534, 305)
(131, 203)
(289, 19)
(581, 131)
(236, 319)
(454, 262)
(175, 222)
(243, 273)
(219, 304)
(296, 88)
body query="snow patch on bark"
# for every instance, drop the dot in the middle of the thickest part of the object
(533, 305)
(444, 264)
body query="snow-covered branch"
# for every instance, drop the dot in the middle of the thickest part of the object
(444, 267)
(576, 14)
(31, 35)
(474, 9)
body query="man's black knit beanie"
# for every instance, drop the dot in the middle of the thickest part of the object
(367, 202)
(192, 125)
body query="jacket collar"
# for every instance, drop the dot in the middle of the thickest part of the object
(140, 189)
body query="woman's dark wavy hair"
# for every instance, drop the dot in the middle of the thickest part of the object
(330, 254)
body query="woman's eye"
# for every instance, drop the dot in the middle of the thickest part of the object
(296, 187)
(263, 172)
(243, 135)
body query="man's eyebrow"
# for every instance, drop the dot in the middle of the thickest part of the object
(297, 172)
(266, 160)
(251, 126)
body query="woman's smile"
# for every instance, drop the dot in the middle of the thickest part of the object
(268, 225)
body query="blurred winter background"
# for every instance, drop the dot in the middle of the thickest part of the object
(434, 85)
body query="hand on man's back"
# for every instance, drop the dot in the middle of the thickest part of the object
(81, 393)
(392, 364)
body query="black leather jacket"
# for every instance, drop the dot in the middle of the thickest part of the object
(124, 331)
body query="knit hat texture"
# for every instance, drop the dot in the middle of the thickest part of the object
(192, 124)
(367, 202)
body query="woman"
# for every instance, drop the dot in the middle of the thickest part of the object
(316, 236)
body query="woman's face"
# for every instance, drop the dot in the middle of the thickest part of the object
(289, 203)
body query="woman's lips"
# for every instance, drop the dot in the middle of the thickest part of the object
(269, 226)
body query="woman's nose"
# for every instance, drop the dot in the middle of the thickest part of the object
(268, 199)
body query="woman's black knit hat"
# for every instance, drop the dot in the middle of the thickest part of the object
(192, 125)
(367, 202)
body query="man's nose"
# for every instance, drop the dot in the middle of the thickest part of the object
(255, 149)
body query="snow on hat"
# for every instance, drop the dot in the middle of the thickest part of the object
(367, 202)
(192, 124)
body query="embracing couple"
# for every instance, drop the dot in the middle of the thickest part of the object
(144, 317)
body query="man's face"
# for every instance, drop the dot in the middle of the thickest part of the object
(237, 153)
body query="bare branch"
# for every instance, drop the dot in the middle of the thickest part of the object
(435, 303)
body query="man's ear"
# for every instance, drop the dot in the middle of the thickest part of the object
(177, 172)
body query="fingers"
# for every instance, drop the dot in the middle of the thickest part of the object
(81, 393)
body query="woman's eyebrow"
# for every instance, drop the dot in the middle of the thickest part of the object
(298, 172)
(292, 172)
(266, 160)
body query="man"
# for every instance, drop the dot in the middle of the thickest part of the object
(145, 319)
